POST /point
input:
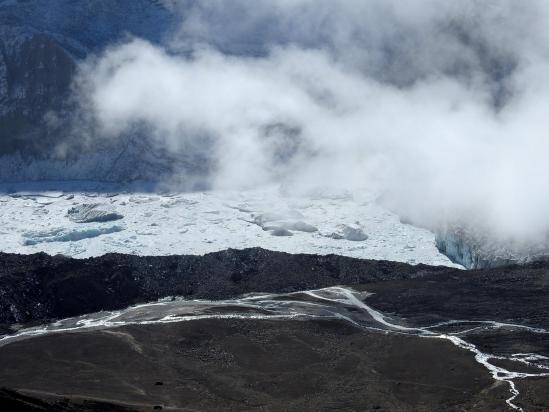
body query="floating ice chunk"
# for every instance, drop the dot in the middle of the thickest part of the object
(281, 224)
(67, 235)
(300, 227)
(142, 199)
(177, 202)
(354, 233)
(281, 232)
(296, 226)
(43, 201)
(92, 212)
(241, 208)
(262, 218)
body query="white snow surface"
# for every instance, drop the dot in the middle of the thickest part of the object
(203, 222)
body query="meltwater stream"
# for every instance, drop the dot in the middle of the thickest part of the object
(329, 303)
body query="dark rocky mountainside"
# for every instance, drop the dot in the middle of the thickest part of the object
(41, 44)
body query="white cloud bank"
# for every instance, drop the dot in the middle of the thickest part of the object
(441, 106)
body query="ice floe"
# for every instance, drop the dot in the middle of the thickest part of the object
(92, 212)
(66, 235)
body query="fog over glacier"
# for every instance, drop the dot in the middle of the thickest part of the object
(439, 106)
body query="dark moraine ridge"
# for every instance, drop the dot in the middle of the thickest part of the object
(39, 287)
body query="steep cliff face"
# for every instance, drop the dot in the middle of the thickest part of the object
(41, 44)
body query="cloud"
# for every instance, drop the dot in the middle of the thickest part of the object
(439, 106)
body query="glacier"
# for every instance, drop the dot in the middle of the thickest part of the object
(164, 223)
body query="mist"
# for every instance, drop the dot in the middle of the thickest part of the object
(439, 107)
